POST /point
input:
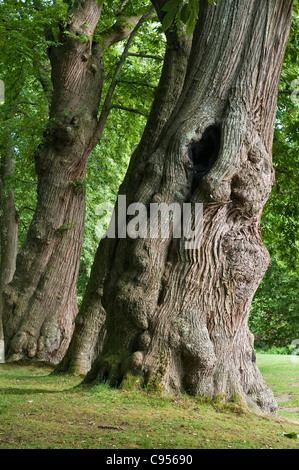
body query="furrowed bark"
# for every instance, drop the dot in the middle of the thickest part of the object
(176, 319)
(40, 304)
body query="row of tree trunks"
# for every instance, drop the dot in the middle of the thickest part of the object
(40, 304)
(176, 319)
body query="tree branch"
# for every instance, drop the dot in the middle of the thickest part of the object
(285, 92)
(26, 182)
(120, 30)
(287, 172)
(85, 13)
(132, 82)
(107, 103)
(131, 110)
(24, 225)
(289, 191)
(45, 82)
(123, 27)
(146, 56)
(23, 208)
(121, 8)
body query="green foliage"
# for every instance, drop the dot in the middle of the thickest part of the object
(274, 317)
(23, 116)
(180, 11)
(79, 185)
(275, 350)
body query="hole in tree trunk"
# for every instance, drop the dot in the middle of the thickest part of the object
(204, 153)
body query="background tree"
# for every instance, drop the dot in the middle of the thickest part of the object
(22, 121)
(40, 304)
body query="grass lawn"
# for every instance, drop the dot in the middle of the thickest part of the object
(282, 375)
(38, 410)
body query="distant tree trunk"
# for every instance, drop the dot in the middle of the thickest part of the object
(40, 304)
(176, 319)
(8, 225)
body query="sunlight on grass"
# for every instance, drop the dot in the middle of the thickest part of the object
(281, 373)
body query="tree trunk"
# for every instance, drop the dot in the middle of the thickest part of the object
(40, 304)
(177, 319)
(8, 226)
(89, 334)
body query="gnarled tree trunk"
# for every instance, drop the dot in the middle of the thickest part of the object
(89, 334)
(40, 304)
(176, 319)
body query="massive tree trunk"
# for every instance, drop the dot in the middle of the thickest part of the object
(176, 318)
(40, 304)
(89, 334)
(8, 224)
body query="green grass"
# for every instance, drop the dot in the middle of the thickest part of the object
(39, 410)
(281, 373)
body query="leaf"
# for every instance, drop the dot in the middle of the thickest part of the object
(290, 435)
(191, 23)
(195, 6)
(168, 19)
(171, 4)
(185, 13)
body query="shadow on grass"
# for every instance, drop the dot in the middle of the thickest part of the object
(29, 363)
(27, 391)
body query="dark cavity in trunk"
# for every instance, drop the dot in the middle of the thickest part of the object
(203, 154)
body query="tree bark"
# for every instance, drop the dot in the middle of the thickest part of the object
(177, 319)
(8, 225)
(40, 304)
